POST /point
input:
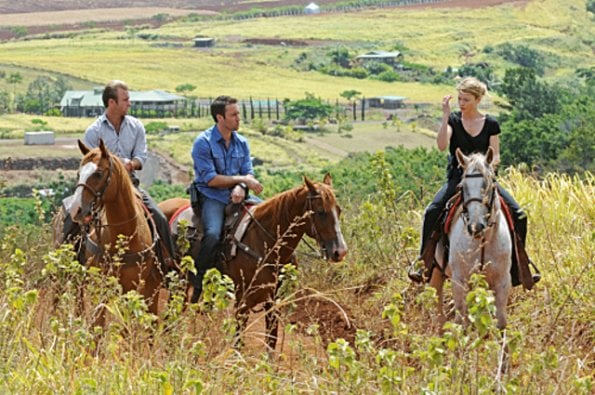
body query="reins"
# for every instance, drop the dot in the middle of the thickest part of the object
(490, 206)
(96, 207)
(307, 209)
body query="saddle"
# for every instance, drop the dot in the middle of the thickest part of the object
(519, 271)
(237, 219)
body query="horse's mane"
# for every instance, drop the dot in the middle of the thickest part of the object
(477, 163)
(276, 206)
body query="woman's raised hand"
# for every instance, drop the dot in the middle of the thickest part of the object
(446, 105)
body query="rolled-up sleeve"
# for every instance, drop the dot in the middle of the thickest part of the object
(204, 168)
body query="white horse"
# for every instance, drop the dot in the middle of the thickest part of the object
(480, 240)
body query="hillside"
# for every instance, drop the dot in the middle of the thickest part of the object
(157, 52)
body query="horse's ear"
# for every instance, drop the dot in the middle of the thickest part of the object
(490, 155)
(103, 148)
(310, 185)
(84, 149)
(328, 180)
(461, 157)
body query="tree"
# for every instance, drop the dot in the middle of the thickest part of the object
(4, 102)
(350, 94)
(183, 88)
(529, 97)
(14, 79)
(341, 57)
(309, 108)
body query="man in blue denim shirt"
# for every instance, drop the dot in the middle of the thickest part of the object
(223, 174)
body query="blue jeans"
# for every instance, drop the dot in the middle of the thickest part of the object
(212, 216)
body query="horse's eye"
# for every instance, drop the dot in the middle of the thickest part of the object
(321, 213)
(97, 174)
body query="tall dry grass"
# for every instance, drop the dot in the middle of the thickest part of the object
(46, 347)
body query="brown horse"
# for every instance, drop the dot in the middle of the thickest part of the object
(109, 207)
(270, 239)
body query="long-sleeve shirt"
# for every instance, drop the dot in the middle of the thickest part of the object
(212, 158)
(130, 143)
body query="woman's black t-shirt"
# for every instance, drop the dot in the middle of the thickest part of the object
(468, 144)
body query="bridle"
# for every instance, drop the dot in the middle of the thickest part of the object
(308, 210)
(313, 230)
(96, 206)
(491, 219)
(490, 201)
(98, 194)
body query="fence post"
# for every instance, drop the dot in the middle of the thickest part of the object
(269, 107)
(277, 107)
(354, 111)
(244, 112)
(363, 108)
(251, 109)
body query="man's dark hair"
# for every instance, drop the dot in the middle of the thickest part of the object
(218, 106)
(111, 91)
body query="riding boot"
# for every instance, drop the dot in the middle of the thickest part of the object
(421, 274)
(522, 266)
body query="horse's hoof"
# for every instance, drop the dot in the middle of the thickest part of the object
(415, 275)
(536, 278)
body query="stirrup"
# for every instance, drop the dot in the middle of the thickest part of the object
(415, 273)
(537, 275)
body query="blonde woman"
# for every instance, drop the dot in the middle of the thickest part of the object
(472, 132)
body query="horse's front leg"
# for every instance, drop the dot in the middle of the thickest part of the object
(501, 292)
(459, 291)
(272, 325)
(242, 314)
(437, 282)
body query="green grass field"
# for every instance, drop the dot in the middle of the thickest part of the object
(434, 37)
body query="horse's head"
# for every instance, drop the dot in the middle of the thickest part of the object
(324, 222)
(479, 190)
(95, 173)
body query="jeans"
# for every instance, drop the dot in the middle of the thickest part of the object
(212, 216)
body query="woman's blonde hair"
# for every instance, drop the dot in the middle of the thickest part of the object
(473, 86)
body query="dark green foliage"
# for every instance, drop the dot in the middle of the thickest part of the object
(375, 68)
(155, 127)
(523, 56)
(388, 76)
(529, 97)
(183, 88)
(561, 141)
(309, 108)
(43, 94)
(161, 191)
(418, 170)
(482, 71)
(341, 57)
(21, 211)
(591, 6)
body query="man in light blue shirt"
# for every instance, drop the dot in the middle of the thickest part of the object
(125, 137)
(223, 174)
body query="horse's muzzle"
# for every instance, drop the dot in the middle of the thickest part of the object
(476, 230)
(335, 250)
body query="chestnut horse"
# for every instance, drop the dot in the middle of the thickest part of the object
(109, 207)
(276, 228)
(479, 237)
